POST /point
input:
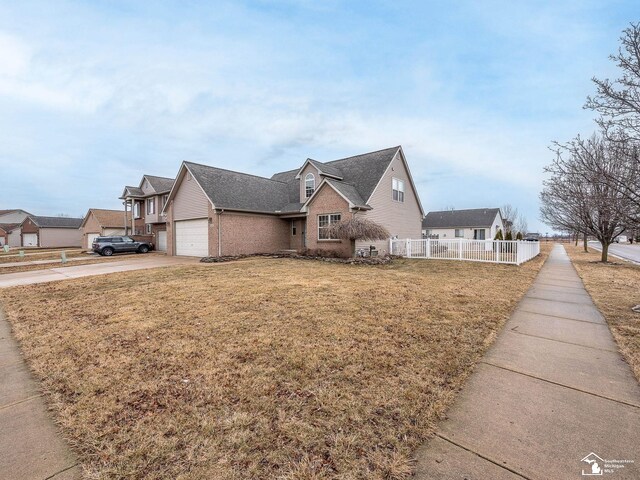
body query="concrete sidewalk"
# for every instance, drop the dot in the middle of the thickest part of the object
(551, 391)
(31, 447)
(65, 273)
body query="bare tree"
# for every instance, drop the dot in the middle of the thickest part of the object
(618, 101)
(521, 224)
(509, 215)
(578, 197)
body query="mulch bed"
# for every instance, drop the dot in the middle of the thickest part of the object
(383, 260)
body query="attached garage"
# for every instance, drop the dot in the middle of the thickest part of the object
(29, 239)
(192, 237)
(90, 238)
(99, 222)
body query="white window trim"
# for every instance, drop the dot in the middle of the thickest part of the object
(148, 227)
(151, 202)
(328, 225)
(136, 209)
(400, 183)
(456, 230)
(309, 177)
(294, 229)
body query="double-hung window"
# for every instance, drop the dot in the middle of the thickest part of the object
(151, 206)
(398, 190)
(459, 232)
(309, 184)
(136, 209)
(324, 226)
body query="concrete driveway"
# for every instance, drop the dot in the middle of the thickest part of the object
(623, 250)
(128, 263)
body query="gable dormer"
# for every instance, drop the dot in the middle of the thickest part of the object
(311, 175)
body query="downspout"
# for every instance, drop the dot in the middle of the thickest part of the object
(220, 233)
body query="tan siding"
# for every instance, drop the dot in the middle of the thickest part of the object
(60, 237)
(152, 217)
(308, 169)
(189, 201)
(403, 219)
(146, 187)
(15, 238)
(90, 226)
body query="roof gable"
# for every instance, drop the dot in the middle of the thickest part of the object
(158, 184)
(477, 217)
(107, 218)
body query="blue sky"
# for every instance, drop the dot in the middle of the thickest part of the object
(95, 94)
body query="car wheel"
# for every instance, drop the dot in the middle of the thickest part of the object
(108, 251)
(143, 249)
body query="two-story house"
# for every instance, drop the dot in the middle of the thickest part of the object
(216, 212)
(143, 205)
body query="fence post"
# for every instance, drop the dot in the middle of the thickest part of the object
(428, 252)
(460, 248)
(390, 246)
(498, 248)
(408, 248)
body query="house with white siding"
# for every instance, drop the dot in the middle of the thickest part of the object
(216, 212)
(472, 224)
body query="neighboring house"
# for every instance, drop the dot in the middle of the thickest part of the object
(10, 221)
(145, 204)
(13, 216)
(474, 224)
(10, 234)
(100, 222)
(217, 212)
(51, 232)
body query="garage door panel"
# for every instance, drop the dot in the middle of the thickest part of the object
(29, 239)
(192, 237)
(90, 238)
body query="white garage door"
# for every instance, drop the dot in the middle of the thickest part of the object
(29, 239)
(90, 238)
(192, 238)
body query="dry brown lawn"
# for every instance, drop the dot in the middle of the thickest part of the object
(30, 256)
(615, 288)
(262, 368)
(27, 268)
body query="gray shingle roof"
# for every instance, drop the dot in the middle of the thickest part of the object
(56, 222)
(325, 168)
(281, 193)
(477, 217)
(234, 190)
(362, 171)
(134, 191)
(160, 184)
(349, 191)
(9, 227)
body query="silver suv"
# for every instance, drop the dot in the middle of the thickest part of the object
(109, 245)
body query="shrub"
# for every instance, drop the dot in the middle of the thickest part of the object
(499, 235)
(519, 236)
(509, 236)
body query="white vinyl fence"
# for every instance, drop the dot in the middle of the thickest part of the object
(495, 251)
